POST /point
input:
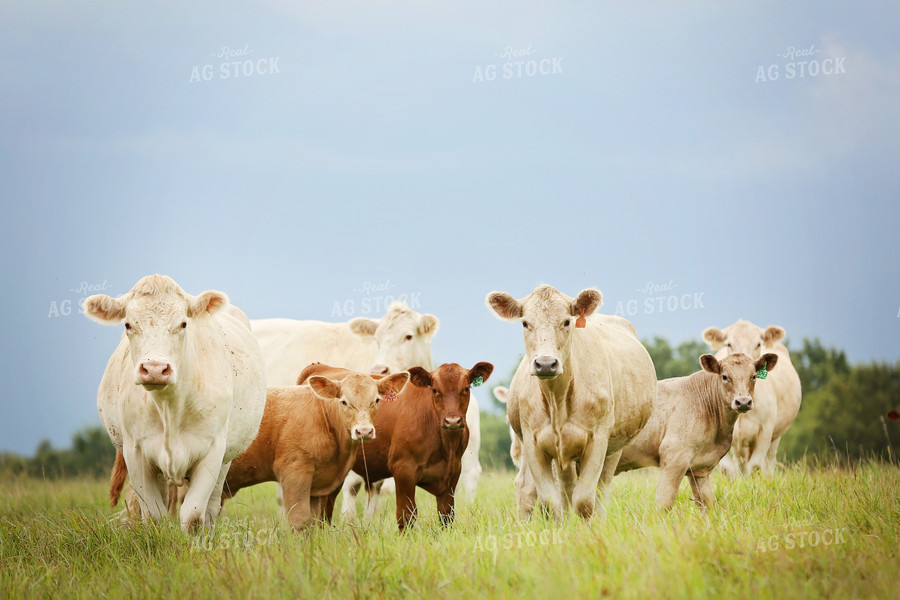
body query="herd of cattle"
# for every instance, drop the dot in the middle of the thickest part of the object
(200, 402)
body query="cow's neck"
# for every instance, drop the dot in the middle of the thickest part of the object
(713, 403)
(345, 446)
(172, 404)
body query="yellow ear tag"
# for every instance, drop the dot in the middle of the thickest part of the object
(580, 322)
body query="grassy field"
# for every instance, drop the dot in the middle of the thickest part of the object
(803, 534)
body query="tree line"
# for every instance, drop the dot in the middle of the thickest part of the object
(842, 415)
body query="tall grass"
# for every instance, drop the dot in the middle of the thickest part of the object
(60, 539)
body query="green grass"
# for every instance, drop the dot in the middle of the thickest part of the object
(60, 539)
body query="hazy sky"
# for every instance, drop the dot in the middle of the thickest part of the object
(745, 156)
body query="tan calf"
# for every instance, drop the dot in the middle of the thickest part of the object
(691, 426)
(308, 440)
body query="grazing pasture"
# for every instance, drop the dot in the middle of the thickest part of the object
(806, 532)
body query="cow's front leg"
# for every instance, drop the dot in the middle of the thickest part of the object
(526, 493)
(606, 477)
(214, 508)
(702, 489)
(538, 453)
(759, 458)
(445, 501)
(296, 482)
(592, 462)
(406, 498)
(151, 492)
(671, 472)
(207, 476)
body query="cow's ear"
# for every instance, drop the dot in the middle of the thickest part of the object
(395, 382)
(588, 301)
(363, 326)
(504, 306)
(482, 370)
(324, 388)
(773, 334)
(210, 301)
(766, 361)
(419, 377)
(714, 336)
(710, 364)
(104, 309)
(428, 325)
(501, 393)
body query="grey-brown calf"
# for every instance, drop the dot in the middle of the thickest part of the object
(692, 423)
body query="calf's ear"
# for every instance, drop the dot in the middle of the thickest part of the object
(714, 336)
(104, 309)
(483, 370)
(419, 377)
(773, 334)
(588, 301)
(210, 301)
(710, 364)
(504, 306)
(766, 361)
(324, 388)
(363, 326)
(395, 382)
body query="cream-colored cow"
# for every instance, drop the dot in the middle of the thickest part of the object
(758, 433)
(579, 396)
(182, 395)
(692, 424)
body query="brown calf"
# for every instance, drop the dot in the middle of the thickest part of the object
(308, 440)
(421, 437)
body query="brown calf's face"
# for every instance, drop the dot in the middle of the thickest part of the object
(744, 337)
(737, 376)
(358, 396)
(449, 386)
(548, 320)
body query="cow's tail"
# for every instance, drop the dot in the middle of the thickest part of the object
(117, 479)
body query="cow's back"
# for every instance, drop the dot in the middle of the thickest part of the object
(289, 345)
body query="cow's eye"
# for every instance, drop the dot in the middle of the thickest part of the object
(724, 377)
(525, 324)
(377, 399)
(566, 323)
(408, 337)
(344, 403)
(127, 326)
(184, 324)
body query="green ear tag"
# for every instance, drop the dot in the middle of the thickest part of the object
(477, 381)
(762, 373)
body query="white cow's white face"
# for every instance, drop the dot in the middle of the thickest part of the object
(548, 320)
(358, 396)
(403, 337)
(156, 314)
(737, 376)
(744, 337)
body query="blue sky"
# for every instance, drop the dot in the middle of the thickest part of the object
(370, 151)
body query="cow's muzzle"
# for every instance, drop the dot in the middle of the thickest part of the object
(742, 404)
(153, 373)
(363, 433)
(546, 367)
(452, 423)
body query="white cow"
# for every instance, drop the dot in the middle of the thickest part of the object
(583, 391)
(182, 395)
(777, 398)
(399, 340)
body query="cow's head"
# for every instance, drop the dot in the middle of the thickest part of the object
(358, 396)
(744, 337)
(157, 314)
(403, 337)
(737, 376)
(548, 320)
(449, 386)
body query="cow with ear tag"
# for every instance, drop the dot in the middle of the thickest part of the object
(758, 434)
(582, 393)
(693, 419)
(182, 395)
